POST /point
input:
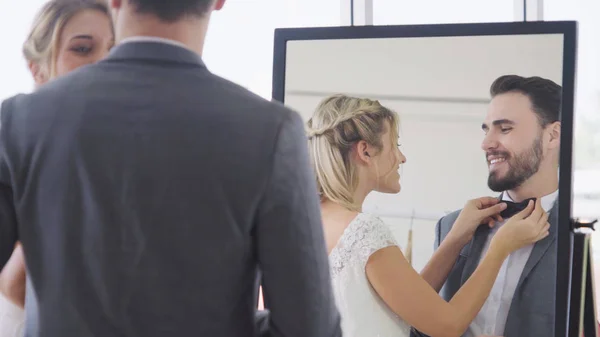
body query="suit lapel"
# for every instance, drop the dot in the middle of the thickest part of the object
(540, 247)
(474, 252)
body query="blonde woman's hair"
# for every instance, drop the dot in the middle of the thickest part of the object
(41, 44)
(338, 123)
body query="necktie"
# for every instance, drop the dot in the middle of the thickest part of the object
(513, 208)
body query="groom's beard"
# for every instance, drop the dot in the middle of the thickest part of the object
(520, 167)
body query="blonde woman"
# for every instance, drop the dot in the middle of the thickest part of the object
(353, 147)
(66, 35)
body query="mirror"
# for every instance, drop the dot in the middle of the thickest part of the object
(463, 93)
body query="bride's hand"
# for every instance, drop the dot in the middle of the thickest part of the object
(524, 228)
(485, 210)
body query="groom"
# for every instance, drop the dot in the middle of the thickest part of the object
(521, 145)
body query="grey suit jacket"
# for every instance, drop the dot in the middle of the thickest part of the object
(148, 193)
(532, 309)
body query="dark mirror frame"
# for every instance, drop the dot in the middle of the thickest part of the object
(569, 31)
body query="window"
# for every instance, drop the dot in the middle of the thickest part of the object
(586, 179)
(394, 12)
(239, 44)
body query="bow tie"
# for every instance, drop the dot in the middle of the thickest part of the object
(513, 208)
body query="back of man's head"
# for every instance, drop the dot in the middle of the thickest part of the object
(172, 10)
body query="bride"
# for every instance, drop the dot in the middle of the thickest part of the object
(352, 144)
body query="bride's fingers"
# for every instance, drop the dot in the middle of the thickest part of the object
(488, 221)
(546, 228)
(544, 218)
(544, 233)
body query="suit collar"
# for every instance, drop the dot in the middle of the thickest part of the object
(154, 50)
(153, 39)
(550, 205)
(540, 247)
(474, 249)
(539, 250)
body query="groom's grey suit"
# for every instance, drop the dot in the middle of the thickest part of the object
(148, 193)
(532, 309)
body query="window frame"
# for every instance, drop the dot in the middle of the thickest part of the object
(360, 12)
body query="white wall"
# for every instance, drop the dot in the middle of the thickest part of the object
(440, 88)
(17, 18)
(454, 67)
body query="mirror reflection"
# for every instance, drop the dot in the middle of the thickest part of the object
(436, 156)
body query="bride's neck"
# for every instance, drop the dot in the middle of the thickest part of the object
(336, 219)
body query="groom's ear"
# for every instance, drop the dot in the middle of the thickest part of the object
(38, 73)
(219, 4)
(115, 4)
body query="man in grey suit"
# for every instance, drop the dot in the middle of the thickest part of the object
(148, 193)
(521, 144)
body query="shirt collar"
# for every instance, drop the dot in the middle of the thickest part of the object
(547, 200)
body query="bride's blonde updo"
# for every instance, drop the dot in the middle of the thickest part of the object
(338, 123)
(41, 44)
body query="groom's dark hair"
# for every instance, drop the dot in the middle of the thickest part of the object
(172, 10)
(544, 94)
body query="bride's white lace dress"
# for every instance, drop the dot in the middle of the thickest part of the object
(363, 312)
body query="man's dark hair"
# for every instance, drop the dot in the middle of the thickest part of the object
(172, 10)
(544, 94)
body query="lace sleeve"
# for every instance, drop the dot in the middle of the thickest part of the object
(363, 237)
(372, 235)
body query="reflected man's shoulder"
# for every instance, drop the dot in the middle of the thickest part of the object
(448, 220)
